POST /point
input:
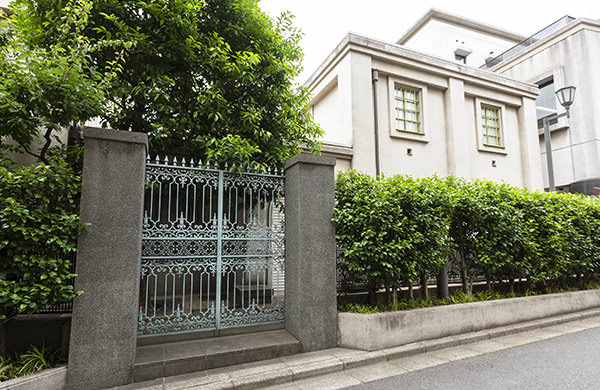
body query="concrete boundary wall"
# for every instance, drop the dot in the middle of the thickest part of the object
(384, 330)
(105, 317)
(50, 379)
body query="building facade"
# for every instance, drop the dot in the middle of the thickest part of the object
(569, 55)
(453, 37)
(396, 110)
(565, 53)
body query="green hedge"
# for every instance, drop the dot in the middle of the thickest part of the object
(398, 228)
(40, 223)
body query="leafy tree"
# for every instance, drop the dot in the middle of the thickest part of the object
(211, 79)
(46, 88)
(465, 221)
(368, 228)
(423, 219)
(498, 246)
(398, 228)
(547, 223)
(43, 89)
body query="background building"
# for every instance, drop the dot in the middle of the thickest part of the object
(566, 52)
(456, 38)
(430, 115)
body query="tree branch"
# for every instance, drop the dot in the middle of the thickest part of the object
(42, 155)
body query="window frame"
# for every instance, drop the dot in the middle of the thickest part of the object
(558, 76)
(551, 111)
(482, 146)
(422, 134)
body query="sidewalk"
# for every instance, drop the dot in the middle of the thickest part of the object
(339, 367)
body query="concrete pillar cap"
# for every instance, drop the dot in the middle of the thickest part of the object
(303, 158)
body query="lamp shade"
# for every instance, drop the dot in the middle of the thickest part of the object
(566, 96)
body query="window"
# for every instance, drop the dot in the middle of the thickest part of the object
(407, 109)
(490, 124)
(546, 102)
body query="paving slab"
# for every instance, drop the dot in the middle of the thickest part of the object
(376, 371)
(193, 379)
(515, 339)
(455, 353)
(328, 382)
(156, 384)
(341, 367)
(320, 368)
(364, 359)
(590, 321)
(486, 346)
(418, 362)
(309, 357)
(568, 327)
(544, 333)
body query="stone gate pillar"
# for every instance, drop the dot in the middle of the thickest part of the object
(310, 256)
(104, 323)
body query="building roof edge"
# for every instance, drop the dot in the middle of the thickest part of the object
(356, 41)
(437, 14)
(574, 25)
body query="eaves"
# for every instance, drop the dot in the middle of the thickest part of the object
(421, 61)
(473, 25)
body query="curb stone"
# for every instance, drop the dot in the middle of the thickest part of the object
(313, 364)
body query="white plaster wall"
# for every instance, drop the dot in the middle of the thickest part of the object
(508, 164)
(326, 113)
(432, 157)
(342, 164)
(578, 58)
(332, 107)
(529, 144)
(439, 38)
(585, 160)
(27, 159)
(450, 122)
(427, 158)
(362, 113)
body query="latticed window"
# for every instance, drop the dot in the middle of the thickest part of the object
(490, 123)
(406, 104)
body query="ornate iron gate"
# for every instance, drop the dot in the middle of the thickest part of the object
(212, 248)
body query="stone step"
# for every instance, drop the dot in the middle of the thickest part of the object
(299, 368)
(182, 357)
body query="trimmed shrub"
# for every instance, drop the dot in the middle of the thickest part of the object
(399, 228)
(40, 223)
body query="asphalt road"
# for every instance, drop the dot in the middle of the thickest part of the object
(566, 362)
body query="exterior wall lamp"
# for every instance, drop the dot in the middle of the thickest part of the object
(565, 97)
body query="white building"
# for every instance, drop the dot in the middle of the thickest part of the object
(429, 115)
(568, 55)
(567, 52)
(456, 38)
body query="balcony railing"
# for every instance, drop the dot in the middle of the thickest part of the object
(545, 32)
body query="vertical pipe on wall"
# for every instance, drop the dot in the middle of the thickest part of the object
(550, 164)
(375, 79)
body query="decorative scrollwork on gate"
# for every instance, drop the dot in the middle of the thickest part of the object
(213, 248)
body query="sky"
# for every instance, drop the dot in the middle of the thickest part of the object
(326, 22)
